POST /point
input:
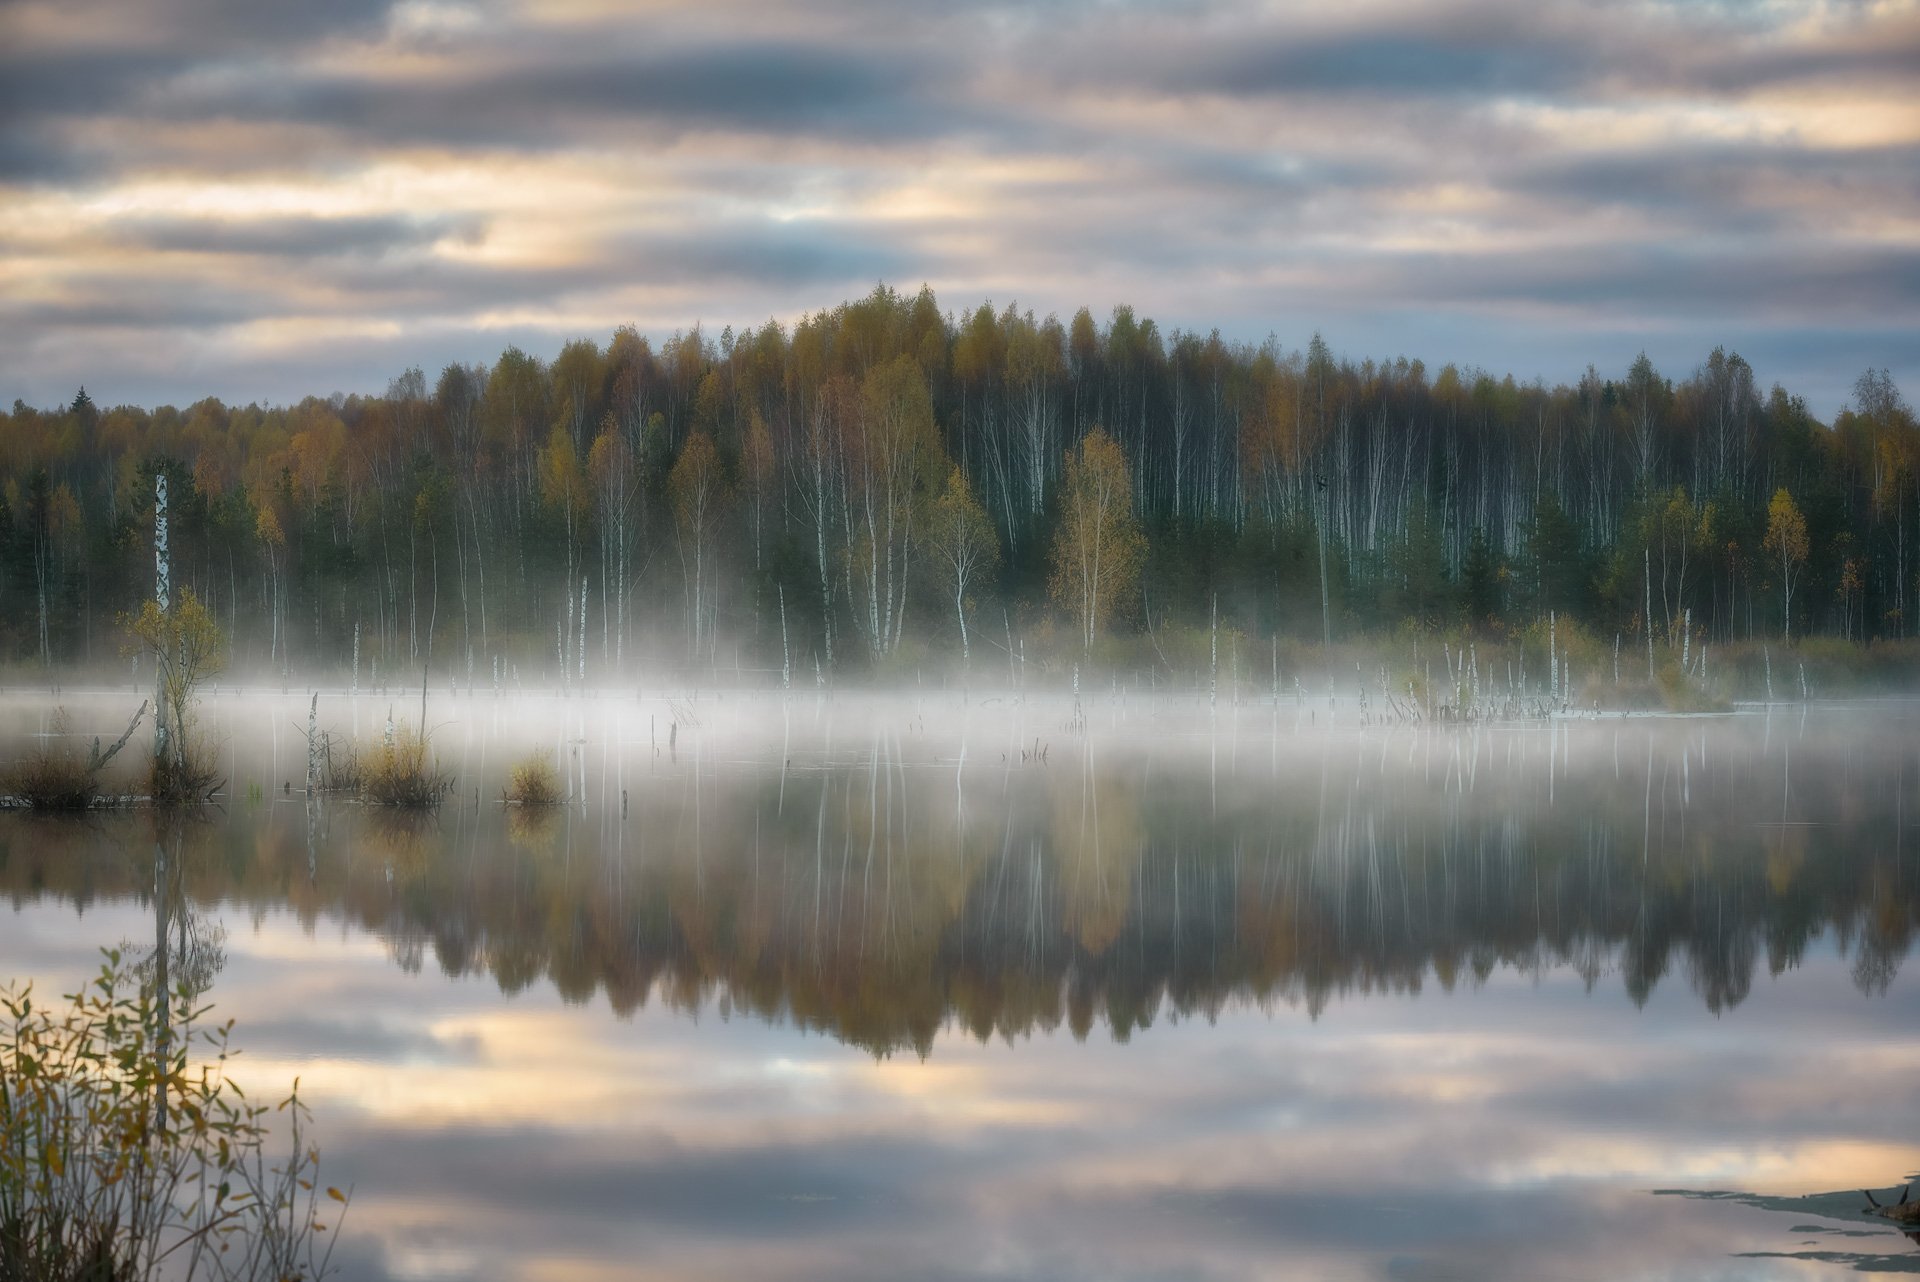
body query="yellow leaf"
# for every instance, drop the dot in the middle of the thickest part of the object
(336, 1194)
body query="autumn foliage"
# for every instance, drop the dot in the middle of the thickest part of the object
(1098, 548)
(785, 495)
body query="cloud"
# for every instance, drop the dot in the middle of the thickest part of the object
(1727, 187)
(533, 92)
(32, 158)
(1629, 283)
(292, 237)
(189, 30)
(357, 1039)
(110, 306)
(785, 255)
(91, 57)
(1367, 64)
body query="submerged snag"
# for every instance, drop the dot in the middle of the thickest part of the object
(1905, 1211)
(327, 773)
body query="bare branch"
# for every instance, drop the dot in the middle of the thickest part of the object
(97, 759)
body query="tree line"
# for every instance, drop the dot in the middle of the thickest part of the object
(884, 484)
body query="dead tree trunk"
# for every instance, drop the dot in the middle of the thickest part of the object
(162, 595)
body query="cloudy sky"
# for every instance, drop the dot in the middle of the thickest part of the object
(257, 199)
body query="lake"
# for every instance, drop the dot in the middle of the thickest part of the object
(931, 986)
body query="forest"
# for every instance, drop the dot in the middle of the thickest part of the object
(885, 486)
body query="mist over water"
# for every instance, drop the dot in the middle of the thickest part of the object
(1000, 986)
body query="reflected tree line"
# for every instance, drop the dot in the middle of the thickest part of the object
(880, 900)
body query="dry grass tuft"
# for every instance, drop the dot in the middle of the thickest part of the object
(401, 774)
(50, 780)
(534, 781)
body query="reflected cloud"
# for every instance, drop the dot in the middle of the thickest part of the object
(292, 1039)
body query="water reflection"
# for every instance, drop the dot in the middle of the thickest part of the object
(881, 891)
(1394, 1005)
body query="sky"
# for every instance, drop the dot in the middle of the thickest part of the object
(264, 200)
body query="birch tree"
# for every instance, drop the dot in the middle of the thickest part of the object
(1098, 548)
(1786, 542)
(563, 486)
(819, 486)
(963, 541)
(187, 649)
(698, 491)
(273, 546)
(892, 454)
(616, 492)
(757, 473)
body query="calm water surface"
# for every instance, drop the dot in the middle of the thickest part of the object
(925, 988)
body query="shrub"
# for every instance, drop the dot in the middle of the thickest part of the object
(59, 778)
(186, 773)
(534, 782)
(1585, 658)
(1680, 693)
(122, 1159)
(187, 649)
(52, 780)
(398, 772)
